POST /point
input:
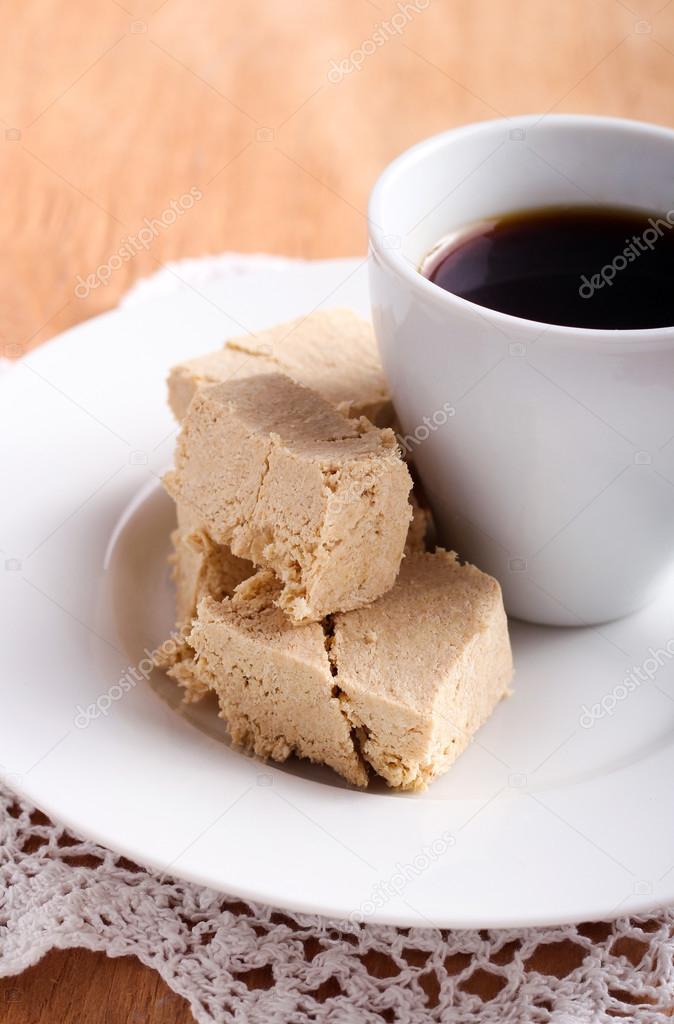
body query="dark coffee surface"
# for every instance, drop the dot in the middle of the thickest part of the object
(578, 267)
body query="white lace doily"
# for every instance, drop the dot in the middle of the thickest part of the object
(235, 961)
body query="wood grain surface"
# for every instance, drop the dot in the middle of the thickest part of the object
(281, 114)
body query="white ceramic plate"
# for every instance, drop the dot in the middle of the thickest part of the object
(554, 814)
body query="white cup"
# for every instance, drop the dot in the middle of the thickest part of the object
(547, 452)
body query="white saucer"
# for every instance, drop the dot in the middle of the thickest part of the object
(554, 814)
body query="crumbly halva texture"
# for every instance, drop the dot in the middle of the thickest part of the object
(202, 568)
(275, 473)
(398, 688)
(332, 351)
(272, 679)
(424, 667)
(420, 528)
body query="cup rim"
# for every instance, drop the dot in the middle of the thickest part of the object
(448, 300)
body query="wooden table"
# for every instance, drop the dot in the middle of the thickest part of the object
(108, 112)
